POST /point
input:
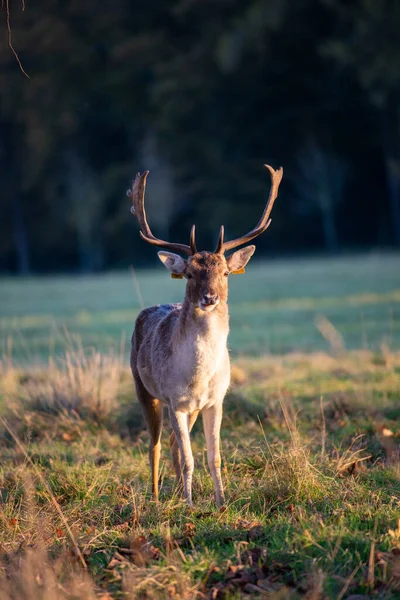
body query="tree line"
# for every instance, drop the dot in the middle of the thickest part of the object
(202, 93)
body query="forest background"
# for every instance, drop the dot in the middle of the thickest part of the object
(201, 93)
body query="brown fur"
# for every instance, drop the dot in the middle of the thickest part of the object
(179, 356)
(179, 351)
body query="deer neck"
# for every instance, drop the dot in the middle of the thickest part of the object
(202, 326)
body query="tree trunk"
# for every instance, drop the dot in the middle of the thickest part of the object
(90, 248)
(87, 200)
(329, 229)
(11, 179)
(391, 153)
(20, 236)
(393, 180)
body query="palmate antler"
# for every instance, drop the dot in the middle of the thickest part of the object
(263, 223)
(137, 195)
(137, 209)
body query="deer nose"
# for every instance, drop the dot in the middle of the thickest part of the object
(210, 299)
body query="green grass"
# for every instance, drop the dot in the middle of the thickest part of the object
(310, 442)
(273, 307)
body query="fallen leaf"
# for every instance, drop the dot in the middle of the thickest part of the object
(268, 585)
(254, 532)
(387, 432)
(154, 552)
(113, 563)
(254, 556)
(245, 524)
(233, 570)
(221, 590)
(189, 530)
(250, 588)
(244, 578)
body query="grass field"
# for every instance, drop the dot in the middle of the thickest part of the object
(273, 307)
(311, 442)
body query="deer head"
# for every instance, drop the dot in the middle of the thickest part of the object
(206, 272)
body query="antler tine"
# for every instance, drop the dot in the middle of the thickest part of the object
(263, 223)
(137, 209)
(220, 243)
(193, 239)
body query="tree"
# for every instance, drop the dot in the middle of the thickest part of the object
(12, 192)
(85, 196)
(161, 194)
(367, 42)
(319, 183)
(203, 104)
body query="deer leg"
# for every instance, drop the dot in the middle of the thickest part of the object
(212, 418)
(153, 415)
(180, 422)
(174, 447)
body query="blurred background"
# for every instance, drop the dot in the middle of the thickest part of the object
(202, 93)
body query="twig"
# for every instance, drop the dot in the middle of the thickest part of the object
(323, 432)
(9, 35)
(371, 561)
(348, 582)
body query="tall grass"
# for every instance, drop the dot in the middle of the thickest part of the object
(81, 383)
(310, 445)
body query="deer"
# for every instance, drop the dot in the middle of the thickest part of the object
(179, 353)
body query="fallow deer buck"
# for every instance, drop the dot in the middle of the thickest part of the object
(179, 351)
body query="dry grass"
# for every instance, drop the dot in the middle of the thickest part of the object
(310, 463)
(34, 576)
(80, 382)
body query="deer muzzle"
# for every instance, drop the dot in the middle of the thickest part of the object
(208, 302)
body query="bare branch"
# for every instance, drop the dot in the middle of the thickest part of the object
(9, 35)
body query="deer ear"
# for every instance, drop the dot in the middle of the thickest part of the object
(239, 259)
(173, 262)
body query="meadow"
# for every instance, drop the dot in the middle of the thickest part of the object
(310, 440)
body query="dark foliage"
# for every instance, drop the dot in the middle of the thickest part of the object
(202, 93)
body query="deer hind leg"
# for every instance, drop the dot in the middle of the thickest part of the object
(153, 414)
(212, 418)
(174, 447)
(181, 425)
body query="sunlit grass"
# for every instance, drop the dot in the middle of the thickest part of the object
(310, 440)
(311, 450)
(273, 307)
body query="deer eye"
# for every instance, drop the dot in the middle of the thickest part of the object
(226, 273)
(189, 276)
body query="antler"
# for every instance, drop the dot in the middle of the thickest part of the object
(263, 223)
(137, 209)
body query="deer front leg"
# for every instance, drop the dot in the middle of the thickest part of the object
(180, 422)
(212, 418)
(174, 447)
